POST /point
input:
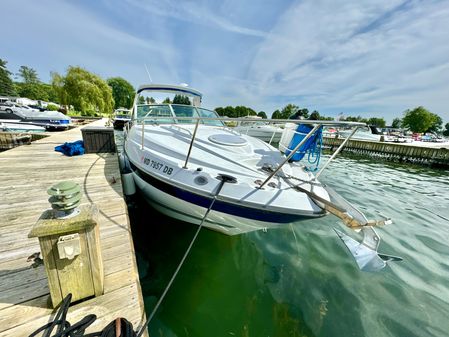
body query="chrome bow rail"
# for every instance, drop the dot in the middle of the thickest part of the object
(203, 120)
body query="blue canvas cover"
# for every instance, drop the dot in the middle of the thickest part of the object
(71, 149)
(301, 131)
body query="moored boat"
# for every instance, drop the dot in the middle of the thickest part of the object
(262, 130)
(182, 156)
(18, 126)
(120, 118)
(50, 120)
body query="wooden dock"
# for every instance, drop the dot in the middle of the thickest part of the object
(396, 152)
(25, 174)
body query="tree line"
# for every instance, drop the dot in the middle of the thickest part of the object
(418, 120)
(90, 94)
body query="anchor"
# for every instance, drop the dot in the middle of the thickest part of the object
(365, 252)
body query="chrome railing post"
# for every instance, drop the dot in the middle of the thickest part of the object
(143, 132)
(336, 152)
(272, 137)
(191, 142)
(292, 153)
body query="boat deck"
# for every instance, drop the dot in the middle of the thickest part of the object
(25, 174)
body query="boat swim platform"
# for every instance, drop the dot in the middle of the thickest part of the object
(26, 172)
(425, 154)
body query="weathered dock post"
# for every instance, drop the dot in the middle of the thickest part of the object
(70, 245)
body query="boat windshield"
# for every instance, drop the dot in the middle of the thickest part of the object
(147, 111)
(171, 111)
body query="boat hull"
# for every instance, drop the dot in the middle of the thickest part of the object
(224, 217)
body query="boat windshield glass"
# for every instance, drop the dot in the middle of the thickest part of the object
(184, 111)
(209, 114)
(122, 113)
(165, 110)
(147, 111)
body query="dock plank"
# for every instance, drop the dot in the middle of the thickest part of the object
(25, 174)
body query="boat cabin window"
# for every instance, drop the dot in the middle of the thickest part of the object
(209, 114)
(184, 111)
(171, 111)
(147, 111)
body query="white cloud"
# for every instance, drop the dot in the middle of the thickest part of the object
(332, 56)
(67, 35)
(328, 57)
(193, 12)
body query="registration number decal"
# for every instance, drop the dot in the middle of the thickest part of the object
(157, 166)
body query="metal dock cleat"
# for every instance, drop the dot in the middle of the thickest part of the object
(365, 252)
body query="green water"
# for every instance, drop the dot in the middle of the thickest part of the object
(300, 280)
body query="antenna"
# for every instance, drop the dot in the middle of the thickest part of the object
(146, 68)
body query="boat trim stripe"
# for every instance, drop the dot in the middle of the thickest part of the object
(219, 205)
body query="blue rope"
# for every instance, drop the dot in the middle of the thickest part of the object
(315, 151)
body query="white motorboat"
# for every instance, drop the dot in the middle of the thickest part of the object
(121, 117)
(50, 120)
(262, 130)
(182, 156)
(365, 133)
(18, 126)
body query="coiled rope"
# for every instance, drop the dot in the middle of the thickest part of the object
(314, 151)
(119, 327)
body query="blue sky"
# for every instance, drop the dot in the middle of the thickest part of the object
(368, 58)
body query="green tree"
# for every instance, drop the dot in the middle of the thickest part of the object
(240, 111)
(288, 111)
(29, 75)
(446, 132)
(437, 124)
(243, 111)
(276, 115)
(419, 119)
(181, 99)
(51, 93)
(84, 90)
(355, 119)
(150, 100)
(315, 115)
(229, 111)
(6, 83)
(262, 114)
(141, 100)
(31, 87)
(167, 101)
(122, 91)
(36, 91)
(220, 111)
(376, 121)
(397, 122)
(304, 113)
